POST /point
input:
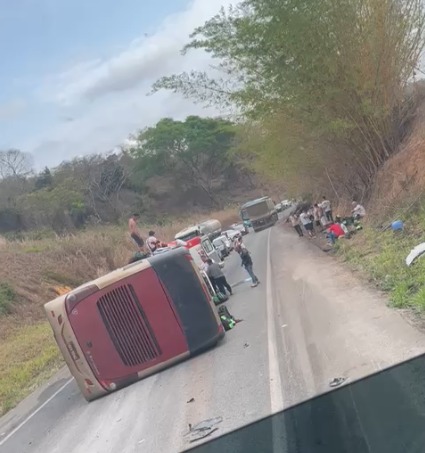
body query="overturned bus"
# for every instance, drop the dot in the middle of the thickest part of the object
(134, 321)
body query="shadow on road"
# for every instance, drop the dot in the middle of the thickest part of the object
(384, 412)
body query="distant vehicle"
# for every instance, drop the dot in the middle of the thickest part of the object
(210, 228)
(201, 248)
(279, 207)
(286, 204)
(133, 322)
(240, 227)
(232, 234)
(222, 244)
(260, 212)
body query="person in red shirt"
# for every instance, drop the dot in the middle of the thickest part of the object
(335, 231)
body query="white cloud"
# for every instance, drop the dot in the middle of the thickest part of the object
(111, 93)
(145, 59)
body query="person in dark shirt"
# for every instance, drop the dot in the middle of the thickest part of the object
(248, 265)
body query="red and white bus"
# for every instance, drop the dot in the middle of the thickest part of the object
(134, 322)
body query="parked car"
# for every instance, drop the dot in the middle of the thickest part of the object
(279, 207)
(223, 246)
(242, 227)
(232, 234)
(286, 204)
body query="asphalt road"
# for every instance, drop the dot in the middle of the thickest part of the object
(308, 322)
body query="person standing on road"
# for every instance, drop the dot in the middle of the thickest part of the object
(327, 208)
(134, 231)
(295, 222)
(248, 265)
(307, 223)
(218, 279)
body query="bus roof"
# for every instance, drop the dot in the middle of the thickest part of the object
(253, 202)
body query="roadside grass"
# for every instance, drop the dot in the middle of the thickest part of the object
(380, 257)
(33, 267)
(28, 356)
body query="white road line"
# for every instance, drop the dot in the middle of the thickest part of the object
(24, 422)
(276, 395)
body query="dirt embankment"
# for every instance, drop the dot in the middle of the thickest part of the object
(401, 180)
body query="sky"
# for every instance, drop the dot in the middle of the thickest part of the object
(75, 73)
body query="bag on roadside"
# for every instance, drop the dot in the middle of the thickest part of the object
(227, 319)
(219, 298)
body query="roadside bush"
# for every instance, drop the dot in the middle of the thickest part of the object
(7, 298)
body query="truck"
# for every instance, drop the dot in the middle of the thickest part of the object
(259, 213)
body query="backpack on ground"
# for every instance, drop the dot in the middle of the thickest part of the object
(227, 319)
(219, 298)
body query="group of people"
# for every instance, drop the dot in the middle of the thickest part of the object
(152, 243)
(313, 217)
(319, 217)
(213, 270)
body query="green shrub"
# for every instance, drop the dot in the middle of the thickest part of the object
(7, 298)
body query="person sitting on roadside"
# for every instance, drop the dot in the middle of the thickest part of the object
(217, 277)
(152, 241)
(334, 232)
(358, 212)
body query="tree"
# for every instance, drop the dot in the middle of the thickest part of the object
(339, 69)
(195, 152)
(101, 179)
(15, 163)
(43, 179)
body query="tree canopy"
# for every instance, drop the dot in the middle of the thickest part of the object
(196, 152)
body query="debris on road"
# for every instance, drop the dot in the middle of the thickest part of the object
(192, 400)
(203, 429)
(336, 382)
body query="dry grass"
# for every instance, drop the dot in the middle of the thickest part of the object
(33, 269)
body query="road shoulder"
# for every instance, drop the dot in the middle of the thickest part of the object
(328, 323)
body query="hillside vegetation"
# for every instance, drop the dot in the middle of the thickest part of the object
(169, 170)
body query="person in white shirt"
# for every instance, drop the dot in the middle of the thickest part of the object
(307, 222)
(358, 211)
(296, 224)
(327, 208)
(152, 241)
